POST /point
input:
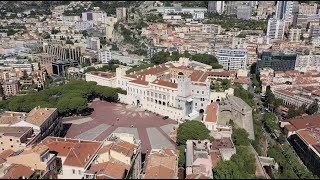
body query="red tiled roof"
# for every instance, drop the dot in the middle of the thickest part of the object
(212, 112)
(111, 169)
(140, 81)
(165, 83)
(103, 74)
(17, 171)
(305, 122)
(310, 135)
(77, 152)
(124, 148)
(286, 92)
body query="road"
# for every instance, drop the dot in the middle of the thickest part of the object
(270, 139)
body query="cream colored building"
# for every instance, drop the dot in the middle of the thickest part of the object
(308, 9)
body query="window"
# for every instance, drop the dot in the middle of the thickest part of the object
(202, 92)
(11, 146)
(197, 92)
(73, 171)
(79, 171)
(10, 139)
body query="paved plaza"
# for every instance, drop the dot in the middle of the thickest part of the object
(107, 118)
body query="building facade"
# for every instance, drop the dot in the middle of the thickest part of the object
(104, 56)
(275, 29)
(244, 12)
(216, 6)
(232, 59)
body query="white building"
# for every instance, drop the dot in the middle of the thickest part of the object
(121, 13)
(96, 17)
(306, 63)
(294, 35)
(308, 9)
(244, 12)
(232, 59)
(284, 10)
(93, 43)
(216, 6)
(275, 29)
(174, 89)
(104, 56)
(197, 13)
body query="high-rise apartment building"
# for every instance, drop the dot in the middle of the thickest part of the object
(64, 52)
(216, 6)
(121, 13)
(104, 56)
(308, 9)
(97, 16)
(232, 59)
(294, 35)
(244, 12)
(285, 10)
(93, 43)
(275, 29)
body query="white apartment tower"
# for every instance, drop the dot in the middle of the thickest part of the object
(284, 10)
(232, 59)
(216, 6)
(121, 13)
(104, 56)
(275, 29)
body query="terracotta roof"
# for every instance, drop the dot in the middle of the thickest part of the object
(241, 80)
(165, 83)
(162, 165)
(197, 176)
(305, 122)
(140, 81)
(310, 135)
(212, 112)
(103, 74)
(37, 116)
(38, 149)
(16, 171)
(196, 75)
(5, 154)
(222, 143)
(9, 120)
(316, 92)
(155, 70)
(286, 92)
(105, 148)
(290, 127)
(111, 169)
(77, 152)
(221, 73)
(124, 148)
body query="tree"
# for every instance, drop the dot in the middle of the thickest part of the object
(313, 108)
(182, 156)
(25, 75)
(240, 137)
(69, 42)
(103, 41)
(216, 66)
(228, 170)
(192, 130)
(46, 35)
(225, 83)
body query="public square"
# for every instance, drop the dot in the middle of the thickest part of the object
(107, 118)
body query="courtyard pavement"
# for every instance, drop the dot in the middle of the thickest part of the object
(107, 118)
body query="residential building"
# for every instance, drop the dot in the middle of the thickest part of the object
(125, 149)
(294, 35)
(74, 156)
(224, 147)
(15, 138)
(232, 59)
(162, 164)
(244, 12)
(104, 56)
(284, 10)
(121, 13)
(93, 43)
(211, 117)
(308, 9)
(38, 158)
(10, 88)
(231, 6)
(95, 16)
(275, 29)
(198, 159)
(216, 6)
(197, 13)
(305, 63)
